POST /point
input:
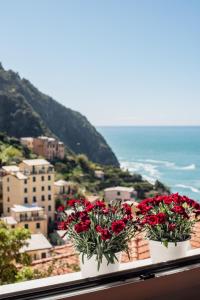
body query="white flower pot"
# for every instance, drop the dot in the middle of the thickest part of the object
(160, 253)
(89, 268)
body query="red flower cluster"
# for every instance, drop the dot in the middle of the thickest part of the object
(105, 234)
(100, 204)
(117, 226)
(82, 226)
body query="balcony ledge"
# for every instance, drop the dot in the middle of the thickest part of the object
(71, 277)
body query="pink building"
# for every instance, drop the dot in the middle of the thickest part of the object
(47, 147)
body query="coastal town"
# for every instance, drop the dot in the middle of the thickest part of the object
(29, 195)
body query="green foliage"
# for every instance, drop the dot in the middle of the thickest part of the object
(11, 241)
(11, 151)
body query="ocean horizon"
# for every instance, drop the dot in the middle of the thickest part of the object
(170, 154)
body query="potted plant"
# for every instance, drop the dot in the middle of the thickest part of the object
(168, 221)
(100, 232)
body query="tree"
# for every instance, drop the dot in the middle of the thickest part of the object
(11, 242)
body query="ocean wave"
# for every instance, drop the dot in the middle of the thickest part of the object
(188, 187)
(145, 169)
(170, 165)
(160, 162)
(189, 167)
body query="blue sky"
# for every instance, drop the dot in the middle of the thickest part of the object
(118, 62)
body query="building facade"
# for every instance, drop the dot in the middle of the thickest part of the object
(120, 193)
(29, 183)
(27, 216)
(47, 147)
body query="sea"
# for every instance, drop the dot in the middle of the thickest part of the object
(169, 154)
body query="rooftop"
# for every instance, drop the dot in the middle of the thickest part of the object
(9, 169)
(20, 175)
(26, 139)
(61, 182)
(26, 208)
(36, 162)
(9, 220)
(119, 189)
(36, 242)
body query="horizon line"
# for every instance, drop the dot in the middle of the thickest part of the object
(114, 125)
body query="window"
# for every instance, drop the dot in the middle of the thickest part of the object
(43, 198)
(8, 179)
(13, 226)
(37, 225)
(8, 189)
(49, 177)
(43, 255)
(42, 188)
(42, 178)
(25, 200)
(25, 190)
(49, 197)
(49, 208)
(25, 181)
(8, 209)
(49, 188)
(34, 179)
(34, 189)
(34, 199)
(118, 193)
(26, 226)
(8, 199)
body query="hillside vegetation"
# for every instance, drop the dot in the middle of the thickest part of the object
(25, 111)
(79, 170)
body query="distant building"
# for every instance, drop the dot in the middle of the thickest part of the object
(27, 216)
(120, 193)
(99, 174)
(29, 183)
(61, 187)
(38, 247)
(47, 147)
(27, 141)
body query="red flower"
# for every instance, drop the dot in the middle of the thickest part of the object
(178, 209)
(127, 208)
(117, 226)
(72, 202)
(100, 204)
(98, 228)
(82, 226)
(61, 208)
(89, 207)
(105, 234)
(172, 227)
(161, 218)
(152, 220)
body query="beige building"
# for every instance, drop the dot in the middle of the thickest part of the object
(29, 183)
(120, 193)
(27, 216)
(38, 247)
(62, 187)
(47, 147)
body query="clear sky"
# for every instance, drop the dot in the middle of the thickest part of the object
(118, 62)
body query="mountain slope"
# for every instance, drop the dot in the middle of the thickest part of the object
(25, 111)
